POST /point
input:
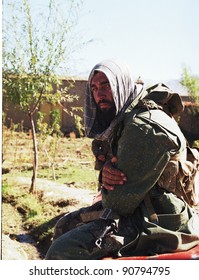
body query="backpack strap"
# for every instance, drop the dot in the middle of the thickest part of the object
(105, 214)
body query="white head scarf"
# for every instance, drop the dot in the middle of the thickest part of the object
(123, 89)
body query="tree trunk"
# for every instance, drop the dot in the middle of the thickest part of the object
(35, 162)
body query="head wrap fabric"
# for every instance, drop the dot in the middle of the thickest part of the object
(123, 89)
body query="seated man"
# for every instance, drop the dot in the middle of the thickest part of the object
(140, 213)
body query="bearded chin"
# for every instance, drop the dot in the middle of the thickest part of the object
(105, 117)
(106, 110)
(109, 113)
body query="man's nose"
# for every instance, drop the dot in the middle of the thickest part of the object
(101, 93)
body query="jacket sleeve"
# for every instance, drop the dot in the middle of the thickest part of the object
(144, 149)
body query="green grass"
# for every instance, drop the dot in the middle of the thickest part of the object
(31, 211)
(81, 175)
(30, 204)
(23, 210)
(61, 161)
(75, 174)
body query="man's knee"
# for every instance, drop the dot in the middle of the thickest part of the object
(64, 247)
(79, 243)
(72, 245)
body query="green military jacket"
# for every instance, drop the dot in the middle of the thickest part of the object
(146, 143)
(148, 138)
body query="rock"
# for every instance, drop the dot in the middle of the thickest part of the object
(11, 249)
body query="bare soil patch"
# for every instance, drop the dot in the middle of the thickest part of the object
(17, 242)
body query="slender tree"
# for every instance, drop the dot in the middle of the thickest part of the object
(37, 48)
(191, 83)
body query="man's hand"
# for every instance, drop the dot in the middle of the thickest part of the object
(111, 175)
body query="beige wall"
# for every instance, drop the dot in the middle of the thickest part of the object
(14, 116)
(68, 120)
(189, 119)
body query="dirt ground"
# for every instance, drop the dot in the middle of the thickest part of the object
(24, 247)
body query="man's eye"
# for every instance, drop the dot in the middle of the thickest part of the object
(106, 85)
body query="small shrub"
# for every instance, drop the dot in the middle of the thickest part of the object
(30, 204)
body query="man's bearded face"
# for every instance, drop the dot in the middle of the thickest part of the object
(101, 91)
